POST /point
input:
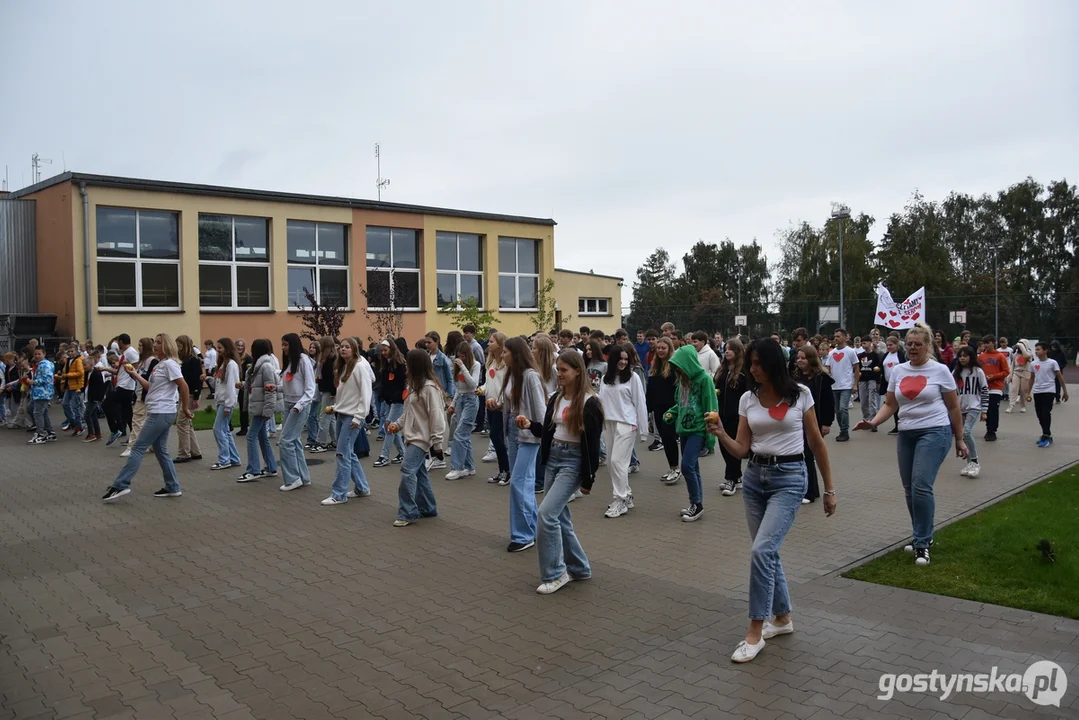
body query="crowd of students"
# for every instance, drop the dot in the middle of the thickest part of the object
(555, 407)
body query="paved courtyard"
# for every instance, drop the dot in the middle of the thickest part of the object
(239, 601)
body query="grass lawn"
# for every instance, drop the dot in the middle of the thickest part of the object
(994, 555)
(204, 419)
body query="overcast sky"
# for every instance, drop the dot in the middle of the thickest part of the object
(635, 124)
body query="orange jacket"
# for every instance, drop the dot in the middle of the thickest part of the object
(75, 375)
(995, 365)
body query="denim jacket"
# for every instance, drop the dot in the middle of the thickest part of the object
(443, 371)
(44, 387)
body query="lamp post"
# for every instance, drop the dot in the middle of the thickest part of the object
(840, 213)
(996, 290)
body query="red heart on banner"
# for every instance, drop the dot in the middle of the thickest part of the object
(882, 315)
(912, 385)
(905, 318)
(915, 316)
(779, 411)
(893, 313)
(893, 323)
(838, 357)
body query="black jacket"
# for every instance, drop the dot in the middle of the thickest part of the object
(593, 428)
(392, 388)
(326, 381)
(96, 385)
(191, 369)
(246, 363)
(820, 387)
(728, 398)
(659, 394)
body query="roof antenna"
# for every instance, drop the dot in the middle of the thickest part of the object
(35, 164)
(380, 182)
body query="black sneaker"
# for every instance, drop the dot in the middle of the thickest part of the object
(504, 479)
(873, 429)
(843, 437)
(893, 431)
(921, 556)
(496, 478)
(308, 446)
(382, 462)
(519, 547)
(51, 437)
(398, 460)
(656, 445)
(730, 487)
(37, 440)
(694, 514)
(164, 492)
(319, 448)
(990, 437)
(242, 432)
(113, 494)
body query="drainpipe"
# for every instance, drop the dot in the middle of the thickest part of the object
(86, 259)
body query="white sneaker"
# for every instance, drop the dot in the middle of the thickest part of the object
(332, 501)
(576, 494)
(770, 630)
(672, 477)
(454, 474)
(1008, 411)
(617, 508)
(437, 464)
(629, 502)
(354, 493)
(126, 453)
(746, 652)
(489, 457)
(291, 486)
(1022, 410)
(806, 501)
(973, 470)
(554, 585)
(966, 469)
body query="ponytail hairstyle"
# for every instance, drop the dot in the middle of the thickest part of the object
(923, 331)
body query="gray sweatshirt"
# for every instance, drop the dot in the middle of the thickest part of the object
(299, 387)
(533, 405)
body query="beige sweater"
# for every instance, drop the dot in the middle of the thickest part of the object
(424, 421)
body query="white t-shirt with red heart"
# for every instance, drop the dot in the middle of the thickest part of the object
(841, 363)
(776, 430)
(891, 362)
(919, 392)
(1045, 375)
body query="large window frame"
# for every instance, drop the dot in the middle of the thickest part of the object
(138, 261)
(515, 273)
(319, 263)
(390, 264)
(600, 306)
(235, 265)
(451, 270)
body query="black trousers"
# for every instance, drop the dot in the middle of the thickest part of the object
(125, 399)
(244, 417)
(1043, 407)
(111, 406)
(992, 418)
(669, 438)
(481, 413)
(813, 487)
(733, 466)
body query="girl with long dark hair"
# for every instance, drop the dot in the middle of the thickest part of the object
(810, 372)
(730, 386)
(298, 388)
(492, 393)
(226, 378)
(391, 373)
(467, 373)
(353, 400)
(260, 396)
(191, 368)
(973, 389)
(625, 417)
(326, 384)
(524, 402)
(659, 397)
(773, 415)
(422, 425)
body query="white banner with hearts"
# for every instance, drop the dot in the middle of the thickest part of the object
(899, 316)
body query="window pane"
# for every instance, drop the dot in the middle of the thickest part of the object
(378, 247)
(581, 305)
(527, 256)
(116, 233)
(252, 286)
(470, 252)
(215, 238)
(406, 290)
(160, 285)
(116, 284)
(470, 287)
(404, 249)
(159, 236)
(527, 293)
(378, 288)
(507, 296)
(333, 287)
(601, 306)
(331, 244)
(298, 279)
(215, 285)
(507, 255)
(252, 239)
(446, 251)
(301, 243)
(446, 289)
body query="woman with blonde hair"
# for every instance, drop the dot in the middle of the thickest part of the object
(467, 371)
(545, 354)
(227, 377)
(191, 367)
(147, 361)
(492, 391)
(353, 385)
(659, 397)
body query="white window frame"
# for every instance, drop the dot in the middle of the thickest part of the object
(516, 275)
(234, 263)
(393, 271)
(317, 290)
(138, 261)
(458, 273)
(598, 301)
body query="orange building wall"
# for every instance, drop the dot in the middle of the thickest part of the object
(55, 255)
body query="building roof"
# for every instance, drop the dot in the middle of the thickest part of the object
(590, 273)
(267, 195)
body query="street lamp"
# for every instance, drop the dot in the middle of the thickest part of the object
(840, 212)
(996, 290)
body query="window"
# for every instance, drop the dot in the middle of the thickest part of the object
(593, 306)
(317, 261)
(518, 273)
(234, 262)
(138, 259)
(393, 268)
(459, 259)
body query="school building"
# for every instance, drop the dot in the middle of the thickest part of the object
(116, 254)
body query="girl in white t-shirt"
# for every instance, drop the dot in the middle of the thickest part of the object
(1041, 389)
(773, 415)
(226, 378)
(924, 390)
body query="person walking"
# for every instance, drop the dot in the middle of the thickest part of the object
(659, 397)
(1023, 356)
(391, 371)
(467, 370)
(353, 394)
(924, 392)
(995, 365)
(96, 386)
(423, 426)
(226, 382)
(163, 387)
(260, 394)
(191, 367)
(842, 364)
(776, 418)
(1041, 388)
(298, 387)
(326, 387)
(524, 402)
(730, 386)
(973, 390)
(811, 374)
(572, 425)
(246, 363)
(492, 395)
(695, 396)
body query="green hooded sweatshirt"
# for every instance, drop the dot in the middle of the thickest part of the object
(693, 401)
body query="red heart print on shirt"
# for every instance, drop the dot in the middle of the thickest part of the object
(491, 372)
(404, 395)
(390, 378)
(891, 364)
(460, 377)
(912, 385)
(882, 315)
(1022, 360)
(905, 318)
(565, 414)
(779, 411)
(288, 377)
(838, 357)
(1037, 367)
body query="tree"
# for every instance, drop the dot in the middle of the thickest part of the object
(320, 320)
(386, 318)
(652, 291)
(468, 312)
(546, 315)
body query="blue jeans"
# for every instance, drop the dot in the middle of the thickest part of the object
(921, 453)
(312, 421)
(155, 432)
(348, 463)
(465, 407)
(522, 486)
(498, 439)
(73, 407)
(227, 454)
(970, 419)
(393, 414)
(39, 409)
(772, 496)
(293, 463)
(556, 544)
(415, 497)
(691, 466)
(258, 436)
(842, 410)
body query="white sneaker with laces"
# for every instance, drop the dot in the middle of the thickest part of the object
(629, 502)
(437, 464)
(672, 477)
(126, 453)
(973, 470)
(551, 586)
(770, 630)
(617, 508)
(490, 456)
(966, 469)
(454, 474)
(354, 493)
(331, 500)
(576, 494)
(746, 652)
(291, 486)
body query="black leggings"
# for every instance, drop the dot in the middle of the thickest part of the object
(1043, 407)
(669, 438)
(733, 469)
(813, 487)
